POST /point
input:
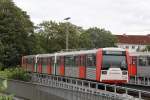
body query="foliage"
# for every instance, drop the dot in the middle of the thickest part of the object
(53, 37)
(97, 38)
(15, 73)
(18, 37)
(3, 85)
(16, 32)
(148, 47)
(4, 97)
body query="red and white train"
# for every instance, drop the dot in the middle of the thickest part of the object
(140, 64)
(110, 65)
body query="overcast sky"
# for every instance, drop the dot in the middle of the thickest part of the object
(118, 16)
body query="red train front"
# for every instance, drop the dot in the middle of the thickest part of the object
(109, 65)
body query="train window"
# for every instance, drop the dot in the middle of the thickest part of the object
(30, 61)
(39, 61)
(49, 61)
(114, 61)
(77, 61)
(62, 60)
(58, 61)
(142, 61)
(134, 60)
(91, 60)
(133, 47)
(148, 61)
(69, 61)
(52, 61)
(44, 61)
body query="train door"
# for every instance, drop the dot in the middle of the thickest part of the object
(29, 64)
(133, 66)
(57, 65)
(143, 68)
(44, 65)
(62, 67)
(69, 65)
(49, 65)
(36, 63)
(77, 65)
(98, 64)
(33, 62)
(82, 67)
(40, 65)
(53, 61)
(91, 66)
(24, 63)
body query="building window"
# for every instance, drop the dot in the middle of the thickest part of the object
(133, 47)
(127, 47)
(148, 60)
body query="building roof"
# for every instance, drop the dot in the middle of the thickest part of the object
(134, 39)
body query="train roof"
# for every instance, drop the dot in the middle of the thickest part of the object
(76, 52)
(139, 53)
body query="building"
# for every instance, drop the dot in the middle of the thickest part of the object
(133, 42)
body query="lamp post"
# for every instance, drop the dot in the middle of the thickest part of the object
(67, 33)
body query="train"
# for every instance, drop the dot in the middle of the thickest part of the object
(140, 64)
(108, 65)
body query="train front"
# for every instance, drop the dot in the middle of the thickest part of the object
(114, 66)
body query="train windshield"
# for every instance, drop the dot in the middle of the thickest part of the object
(114, 61)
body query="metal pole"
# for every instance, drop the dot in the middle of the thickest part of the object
(67, 34)
(67, 38)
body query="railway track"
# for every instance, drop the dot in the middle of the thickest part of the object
(145, 90)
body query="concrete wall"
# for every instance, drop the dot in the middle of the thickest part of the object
(30, 91)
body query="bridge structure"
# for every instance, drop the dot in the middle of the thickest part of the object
(45, 87)
(87, 90)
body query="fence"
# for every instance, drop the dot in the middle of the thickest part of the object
(56, 90)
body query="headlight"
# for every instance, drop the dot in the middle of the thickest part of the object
(124, 72)
(104, 72)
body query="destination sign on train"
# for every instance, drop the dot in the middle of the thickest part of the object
(114, 52)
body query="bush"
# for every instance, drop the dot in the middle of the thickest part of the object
(3, 97)
(15, 73)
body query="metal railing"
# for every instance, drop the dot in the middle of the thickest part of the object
(99, 89)
(139, 80)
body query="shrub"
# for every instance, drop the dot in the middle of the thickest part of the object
(3, 97)
(15, 73)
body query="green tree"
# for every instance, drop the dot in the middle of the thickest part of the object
(97, 38)
(53, 35)
(147, 48)
(16, 31)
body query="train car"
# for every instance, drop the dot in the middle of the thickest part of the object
(28, 63)
(109, 65)
(140, 64)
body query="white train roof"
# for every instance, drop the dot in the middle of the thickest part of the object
(139, 53)
(76, 52)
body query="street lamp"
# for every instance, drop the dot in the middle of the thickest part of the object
(67, 34)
